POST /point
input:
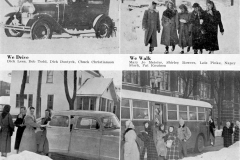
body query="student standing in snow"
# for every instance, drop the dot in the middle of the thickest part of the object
(170, 25)
(212, 130)
(183, 30)
(227, 135)
(151, 25)
(160, 144)
(236, 132)
(213, 20)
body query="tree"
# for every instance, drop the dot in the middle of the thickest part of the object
(38, 98)
(232, 2)
(237, 81)
(69, 99)
(24, 80)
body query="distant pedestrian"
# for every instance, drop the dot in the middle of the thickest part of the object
(147, 137)
(6, 131)
(184, 134)
(212, 130)
(151, 25)
(160, 144)
(172, 143)
(236, 132)
(131, 150)
(19, 123)
(227, 135)
(213, 20)
(183, 30)
(170, 25)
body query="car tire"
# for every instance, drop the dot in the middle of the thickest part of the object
(104, 28)
(12, 32)
(41, 30)
(199, 146)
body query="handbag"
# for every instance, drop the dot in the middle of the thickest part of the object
(169, 143)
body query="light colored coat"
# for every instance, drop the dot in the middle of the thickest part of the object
(183, 30)
(160, 144)
(131, 151)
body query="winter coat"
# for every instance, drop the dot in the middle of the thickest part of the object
(42, 141)
(227, 136)
(236, 134)
(20, 130)
(173, 152)
(170, 26)
(7, 127)
(160, 144)
(212, 127)
(197, 29)
(151, 24)
(28, 141)
(131, 151)
(184, 132)
(149, 145)
(183, 30)
(211, 27)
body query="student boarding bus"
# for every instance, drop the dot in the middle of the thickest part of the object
(140, 107)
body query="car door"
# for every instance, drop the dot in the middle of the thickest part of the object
(96, 8)
(85, 139)
(58, 134)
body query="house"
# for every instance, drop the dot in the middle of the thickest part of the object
(4, 88)
(94, 92)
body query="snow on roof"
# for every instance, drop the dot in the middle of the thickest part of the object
(95, 86)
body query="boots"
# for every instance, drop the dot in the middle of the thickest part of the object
(166, 52)
(195, 51)
(188, 49)
(173, 48)
(151, 50)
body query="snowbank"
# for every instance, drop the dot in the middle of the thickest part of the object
(231, 153)
(26, 155)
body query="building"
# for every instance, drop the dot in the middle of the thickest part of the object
(197, 85)
(94, 92)
(4, 88)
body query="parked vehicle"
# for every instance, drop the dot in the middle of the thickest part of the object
(42, 19)
(84, 134)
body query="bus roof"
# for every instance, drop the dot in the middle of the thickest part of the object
(164, 99)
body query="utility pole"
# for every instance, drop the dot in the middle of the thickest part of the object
(232, 2)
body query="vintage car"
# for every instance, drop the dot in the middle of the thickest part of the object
(84, 134)
(42, 19)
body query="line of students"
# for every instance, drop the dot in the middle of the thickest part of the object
(198, 29)
(26, 137)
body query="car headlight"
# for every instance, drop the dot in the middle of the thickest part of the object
(31, 9)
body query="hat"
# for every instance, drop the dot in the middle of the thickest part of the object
(195, 5)
(154, 2)
(170, 1)
(129, 124)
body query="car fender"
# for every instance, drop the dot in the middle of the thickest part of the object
(98, 20)
(11, 14)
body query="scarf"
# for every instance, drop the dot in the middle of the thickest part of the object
(169, 13)
(6, 111)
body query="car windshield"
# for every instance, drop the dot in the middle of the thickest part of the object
(111, 122)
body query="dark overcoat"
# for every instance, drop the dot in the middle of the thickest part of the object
(183, 30)
(173, 152)
(227, 136)
(212, 127)
(20, 130)
(151, 24)
(7, 127)
(236, 134)
(211, 27)
(170, 26)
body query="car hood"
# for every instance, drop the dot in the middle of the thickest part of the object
(112, 132)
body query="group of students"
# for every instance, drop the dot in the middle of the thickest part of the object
(26, 136)
(198, 29)
(165, 145)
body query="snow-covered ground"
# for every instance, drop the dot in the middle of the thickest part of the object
(60, 44)
(132, 35)
(26, 155)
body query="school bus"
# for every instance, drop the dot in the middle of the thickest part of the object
(140, 107)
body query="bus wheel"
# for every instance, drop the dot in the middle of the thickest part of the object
(199, 144)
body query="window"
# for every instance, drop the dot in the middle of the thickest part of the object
(95, 1)
(92, 104)
(50, 101)
(7, 91)
(86, 103)
(161, 79)
(140, 110)
(110, 122)
(182, 85)
(87, 123)
(205, 90)
(28, 76)
(125, 109)
(18, 99)
(192, 113)
(201, 114)
(59, 121)
(49, 76)
(183, 112)
(30, 100)
(172, 111)
(131, 77)
(79, 103)
(103, 104)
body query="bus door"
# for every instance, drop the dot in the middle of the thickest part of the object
(207, 114)
(158, 112)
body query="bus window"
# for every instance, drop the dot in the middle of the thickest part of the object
(183, 112)
(125, 109)
(192, 113)
(172, 111)
(201, 114)
(140, 110)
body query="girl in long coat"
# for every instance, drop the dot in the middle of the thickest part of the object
(170, 25)
(236, 132)
(213, 20)
(173, 151)
(19, 123)
(212, 130)
(149, 144)
(131, 150)
(28, 141)
(151, 25)
(160, 144)
(183, 30)
(6, 131)
(227, 135)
